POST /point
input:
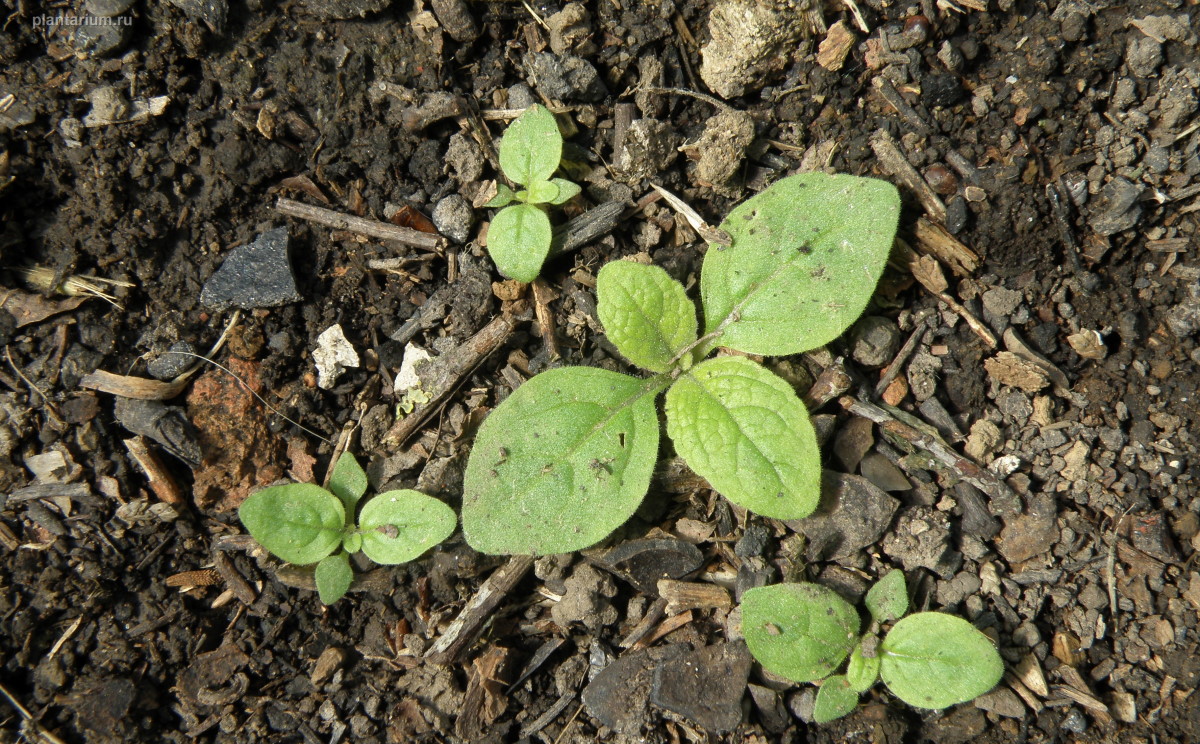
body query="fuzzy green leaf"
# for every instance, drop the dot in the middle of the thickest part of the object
(835, 699)
(541, 192)
(888, 598)
(333, 577)
(563, 462)
(352, 542)
(744, 430)
(299, 522)
(861, 671)
(934, 660)
(398, 526)
(567, 190)
(645, 313)
(518, 241)
(531, 147)
(806, 255)
(799, 631)
(504, 195)
(348, 482)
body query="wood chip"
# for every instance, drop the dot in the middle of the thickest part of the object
(895, 163)
(831, 54)
(1029, 671)
(682, 596)
(668, 626)
(330, 660)
(202, 577)
(128, 386)
(1009, 369)
(937, 241)
(160, 479)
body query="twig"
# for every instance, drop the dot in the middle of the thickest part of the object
(542, 297)
(708, 232)
(907, 112)
(902, 356)
(894, 162)
(478, 610)
(49, 405)
(363, 226)
(30, 729)
(858, 16)
(967, 470)
(159, 478)
(583, 229)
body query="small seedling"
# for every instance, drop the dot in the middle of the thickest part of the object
(929, 659)
(580, 443)
(530, 151)
(303, 523)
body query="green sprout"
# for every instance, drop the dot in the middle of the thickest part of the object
(519, 236)
(303, 523)
(929, 659)
(806, 255)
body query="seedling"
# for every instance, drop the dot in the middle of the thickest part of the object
(929, 659)
(530, 151)
(303, 523)
(580, 444)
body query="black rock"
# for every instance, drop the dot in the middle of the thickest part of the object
(619, 695)
(643, 562)
(255, 275)
(168, 365)
(566, 78)
(940, 89)
(342, 9)
(705, 686)
(97, 38)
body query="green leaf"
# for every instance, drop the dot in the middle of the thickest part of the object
(862, 671)
(806, 255)
(531, 146)
(567, 190)
(299, 522)
(541, 192)
(352, 542)
(799, 631)
(645, 313)
(888, 599)
(744, 430)
(333, 577)
(398, 526)
(835, 699)
(563, 462)
(348, 482)
(503, 196)
(933, 660)
(518, 241)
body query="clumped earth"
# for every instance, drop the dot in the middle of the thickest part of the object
(1040, 317)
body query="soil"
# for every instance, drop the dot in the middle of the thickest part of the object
(1058, 172)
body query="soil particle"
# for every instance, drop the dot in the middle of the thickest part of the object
(921, 539)
(721, 150)
(706, 686)
(586, 600)
(566, 77)
(874, 341)
(748, 43)
(853, 514)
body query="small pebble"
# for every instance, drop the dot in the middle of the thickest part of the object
(167, 366)
(1074, 721)
(874, 341)
(453, 218)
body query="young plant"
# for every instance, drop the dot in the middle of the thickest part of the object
(303, 523)
(530, 151)
(929, 659)
(568, 457)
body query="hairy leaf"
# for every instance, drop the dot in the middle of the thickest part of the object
(806, 255)
(398, 526)
(531, 146)
(567, 190)
(563, 462)
(352, 542)
(835, 699)
(333, 577)
(646, 314)
(348, 482)
(934, 660)
(799, 631)
(888, 598)
(299, 522)
(518, 241)
(503, 196)
(862, 671)
(744, 430)
(541, 192)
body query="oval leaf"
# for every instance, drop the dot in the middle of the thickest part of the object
(799, 631)
(645, 313)
(503, 196)
(541, 192)
(333, 577)
(861, 671)
(348, 482)
(934, 660)
(398, 526)
(518, 241)
(563, 462)
(744, 430)
(299, 522)
(531, 146)
(834, 700)
(888, 598)
(567, 190)
(806, 255)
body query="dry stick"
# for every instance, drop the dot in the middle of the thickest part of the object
(360, 225)
(30, 729)
(478, 610)
(583, 229)
(542, 296)
(907, 113)
(452, 368)
(894, 162)
(157, 475)
(968, 471)
(893, 369)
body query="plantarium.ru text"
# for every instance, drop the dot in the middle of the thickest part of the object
(568, 457)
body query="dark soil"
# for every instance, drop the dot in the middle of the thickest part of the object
(1060, 137)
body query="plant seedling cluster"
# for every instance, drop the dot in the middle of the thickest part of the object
(303, 523)
(928, 659)
(520, 234)
(568, 457)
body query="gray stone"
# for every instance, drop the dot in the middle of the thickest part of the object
(343, 9)
(921, 539)
(453, 218)
(108, 8)
(1003, 702)
(883, 473)
(874, 341)
(167, 366)
(1030, 534)
(213, 13)
(1116, 208)
(96, 38)
(254, 275)
(1143, 55)
(706, 686)
(465, 157)
(1000, 302)
(456, 17)
(853, 514)
(956, 215)
(566, 78)
(619, 695)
